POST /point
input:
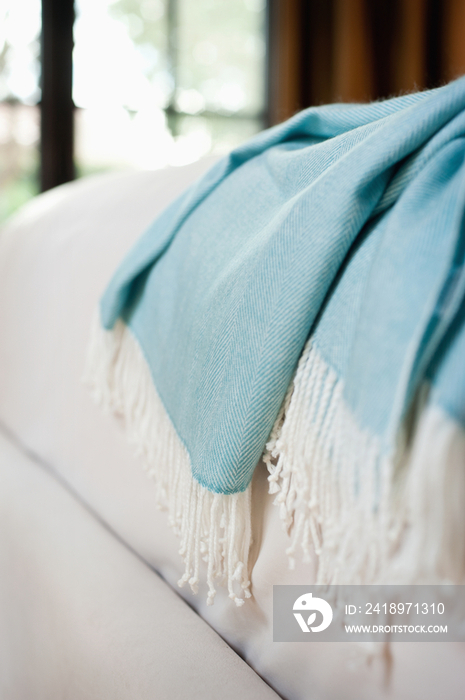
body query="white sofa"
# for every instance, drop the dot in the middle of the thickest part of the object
(89, 606)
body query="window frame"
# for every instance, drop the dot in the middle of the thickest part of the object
(57, 109)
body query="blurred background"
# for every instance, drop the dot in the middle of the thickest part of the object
(95, 85)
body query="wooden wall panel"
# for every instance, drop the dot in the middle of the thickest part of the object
(409, 69)
(453, 40)
(353, 77)
(285, 59)
(324, 51)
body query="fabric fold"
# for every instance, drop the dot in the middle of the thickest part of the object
(337, 239)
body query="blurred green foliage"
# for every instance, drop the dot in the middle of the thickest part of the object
(17, 192)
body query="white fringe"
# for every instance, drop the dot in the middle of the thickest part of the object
(212, 527)
(369, 519)
(430, 535)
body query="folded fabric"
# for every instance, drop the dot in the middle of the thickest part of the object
(342, 227)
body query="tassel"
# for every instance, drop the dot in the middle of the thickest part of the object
(212, 527)
(368, 519)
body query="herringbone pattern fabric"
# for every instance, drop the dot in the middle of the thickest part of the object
(346, 223)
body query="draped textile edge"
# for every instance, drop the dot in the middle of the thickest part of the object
(403, 522)
(212, 527)
(399, 525)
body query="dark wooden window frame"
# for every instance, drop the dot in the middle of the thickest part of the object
(57, 109)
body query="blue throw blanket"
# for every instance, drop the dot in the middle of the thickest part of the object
(344, 226)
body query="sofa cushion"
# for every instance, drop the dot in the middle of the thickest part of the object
(83, 617)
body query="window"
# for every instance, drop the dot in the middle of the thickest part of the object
(149, 83)
(161, 82)
(19, 96)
